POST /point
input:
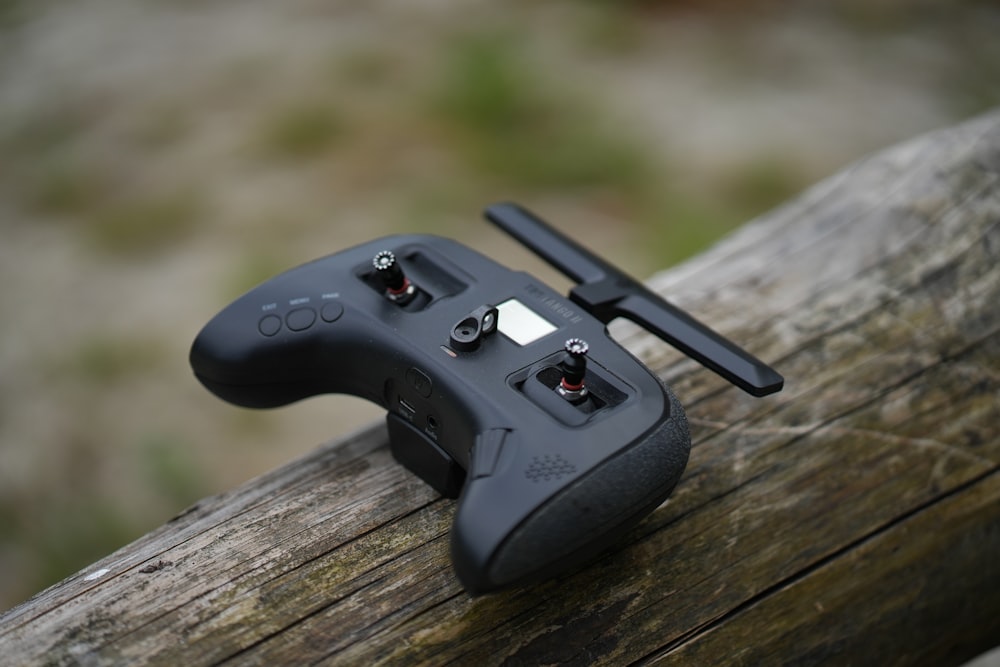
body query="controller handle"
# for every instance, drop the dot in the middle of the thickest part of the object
(571, 525)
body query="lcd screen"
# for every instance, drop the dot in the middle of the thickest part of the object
(521, 324)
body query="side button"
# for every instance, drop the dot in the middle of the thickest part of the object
(486, 452)
(269, 325)
(300, 319)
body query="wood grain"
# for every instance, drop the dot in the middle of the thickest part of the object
(854, 518)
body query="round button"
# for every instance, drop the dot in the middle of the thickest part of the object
(269, 325)
(331, 311)
(300, 319)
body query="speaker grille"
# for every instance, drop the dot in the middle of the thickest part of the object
(549, 468)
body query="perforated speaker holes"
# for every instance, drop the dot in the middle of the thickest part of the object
(548, 468)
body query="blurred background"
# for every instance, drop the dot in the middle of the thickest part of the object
(160, 157)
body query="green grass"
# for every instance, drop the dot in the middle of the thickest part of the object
(103, 361)
(512, 126)
(42, 168)
(680, 225)
(52, 176)
(611, 29)
(975, 87)
(685, 221)
(365, 68)
(78, 530)
(162, 128)
(172, 471)
(42, 132)
(60, 187)
(760, 183)
(254, 267)
(11, 12)
(301, 131)
(520, 132)
(115, 220)
(141, 225)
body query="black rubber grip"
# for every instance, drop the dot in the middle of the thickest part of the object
(589, 515)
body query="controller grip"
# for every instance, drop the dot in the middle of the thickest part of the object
(586, 517)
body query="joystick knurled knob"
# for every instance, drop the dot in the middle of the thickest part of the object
(388, 269)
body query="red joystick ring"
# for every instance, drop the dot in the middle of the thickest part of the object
(402, 289)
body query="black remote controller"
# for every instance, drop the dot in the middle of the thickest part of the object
(500, 392)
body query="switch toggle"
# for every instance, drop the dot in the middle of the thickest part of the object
(470, 331)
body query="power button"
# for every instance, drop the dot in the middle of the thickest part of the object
(419, 382)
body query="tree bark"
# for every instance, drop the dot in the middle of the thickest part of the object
(852, 518)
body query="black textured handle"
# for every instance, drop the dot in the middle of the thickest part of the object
(586, 517)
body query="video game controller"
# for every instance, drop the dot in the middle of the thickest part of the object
(499, 391)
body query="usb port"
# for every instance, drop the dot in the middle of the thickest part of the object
(406, 410)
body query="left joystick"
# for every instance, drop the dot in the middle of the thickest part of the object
(398, 287)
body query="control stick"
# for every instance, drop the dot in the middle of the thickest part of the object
(572, 386)
(398, 287)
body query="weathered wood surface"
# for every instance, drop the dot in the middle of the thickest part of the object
(853, 518)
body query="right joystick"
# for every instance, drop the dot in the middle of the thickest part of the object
(572, 386)
(398, 287)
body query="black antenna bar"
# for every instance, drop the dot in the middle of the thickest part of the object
(607, 292)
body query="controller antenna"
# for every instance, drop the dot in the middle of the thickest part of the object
(574, 370)
(398, 287)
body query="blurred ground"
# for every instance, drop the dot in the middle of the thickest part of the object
(160, 157)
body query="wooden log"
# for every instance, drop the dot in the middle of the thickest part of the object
(854, 518)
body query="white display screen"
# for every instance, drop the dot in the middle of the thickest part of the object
(521, 324)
